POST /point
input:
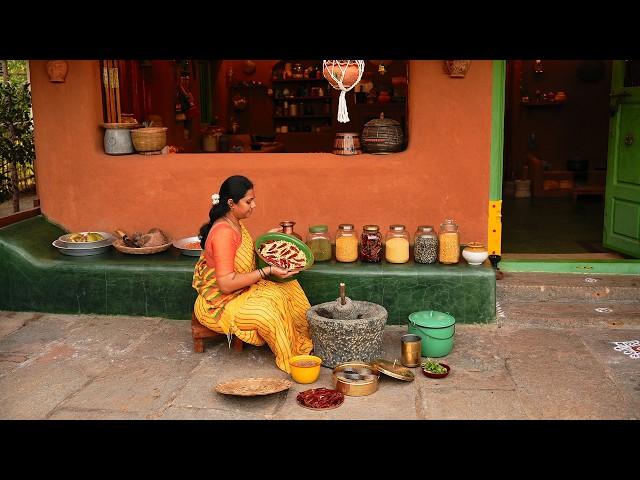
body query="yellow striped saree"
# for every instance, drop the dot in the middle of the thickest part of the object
(266, 311)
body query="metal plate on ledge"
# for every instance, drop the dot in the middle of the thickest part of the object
(79, 252)
(107, 239)
(182, 246)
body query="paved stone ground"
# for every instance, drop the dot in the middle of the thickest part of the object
(55, 366)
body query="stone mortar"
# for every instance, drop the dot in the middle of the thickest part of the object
(337, 341)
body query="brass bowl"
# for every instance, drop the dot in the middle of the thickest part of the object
(355, 389)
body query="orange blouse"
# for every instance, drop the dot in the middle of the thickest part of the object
(220, 248)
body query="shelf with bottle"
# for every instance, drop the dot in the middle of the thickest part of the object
(542, 103)
(291, 110)
(282, 99)
(543, 99)
(302, 127)
(299, 117)
(297, 80)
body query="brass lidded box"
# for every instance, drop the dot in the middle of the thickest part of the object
(355, 387)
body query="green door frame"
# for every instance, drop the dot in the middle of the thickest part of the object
(612, 266)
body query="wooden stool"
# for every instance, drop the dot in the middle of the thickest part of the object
(199, 332)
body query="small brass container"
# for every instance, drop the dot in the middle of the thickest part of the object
(410, 350)
(352, 388)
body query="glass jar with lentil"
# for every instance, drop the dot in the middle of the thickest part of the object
(396, 246)
(319, 242)
(346, 243)
(449, 239)
(425, 245)
(371, 244)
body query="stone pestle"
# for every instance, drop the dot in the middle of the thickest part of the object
(344, 308)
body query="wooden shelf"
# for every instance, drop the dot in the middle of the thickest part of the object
(301, 117)
(378, 105)
(306, 133)
(326, 97)
(544, 103)
(297, 80)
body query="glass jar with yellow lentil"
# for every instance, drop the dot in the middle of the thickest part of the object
(346, 243)
(396, 246)
(371, 244)
(319, 242)
(449, 240)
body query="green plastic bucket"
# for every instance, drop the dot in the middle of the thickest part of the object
(436, 331)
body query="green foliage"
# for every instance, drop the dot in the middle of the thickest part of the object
(16, 127)
(17, 71)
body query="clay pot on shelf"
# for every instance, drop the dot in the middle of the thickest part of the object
(384, 97)
(560, 96)
(351, 73)
(57, 70)
(457, 68)
(287, 229)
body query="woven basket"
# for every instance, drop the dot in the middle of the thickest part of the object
(119, 245)
(149, 139)
(249, 387)
(382, 135)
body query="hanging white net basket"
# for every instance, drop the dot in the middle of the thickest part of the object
(343, 75)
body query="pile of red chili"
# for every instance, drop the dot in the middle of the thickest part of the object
(283, 254)
(320, 398)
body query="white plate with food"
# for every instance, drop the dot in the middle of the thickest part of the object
(189, 246)
(80, 252)
(83, 240)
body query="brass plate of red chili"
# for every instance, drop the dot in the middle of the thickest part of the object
(320, 399)
(284, 251)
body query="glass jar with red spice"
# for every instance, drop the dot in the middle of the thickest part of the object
(371, 244)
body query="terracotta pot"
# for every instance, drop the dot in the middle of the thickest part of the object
(457, 68)
(57, 70)
(350, 75)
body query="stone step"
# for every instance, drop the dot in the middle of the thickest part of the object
(553, 287)
(569, 315)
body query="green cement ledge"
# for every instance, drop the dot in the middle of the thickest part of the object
(34, 276)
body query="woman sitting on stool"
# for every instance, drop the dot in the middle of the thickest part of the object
(234, 297)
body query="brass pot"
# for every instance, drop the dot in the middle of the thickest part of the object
(355, 389)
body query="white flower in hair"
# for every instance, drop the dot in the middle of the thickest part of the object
(215, 198)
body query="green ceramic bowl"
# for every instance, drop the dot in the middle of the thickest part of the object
(288, 238)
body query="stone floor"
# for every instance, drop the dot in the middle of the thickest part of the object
(55, 366)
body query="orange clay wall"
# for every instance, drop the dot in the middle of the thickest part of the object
(444, 173)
